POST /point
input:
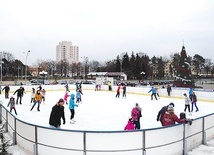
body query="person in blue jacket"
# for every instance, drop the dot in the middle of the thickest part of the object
(153, 90)
(190, 92)
(71, 107)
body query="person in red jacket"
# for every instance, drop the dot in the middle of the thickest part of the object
(169, 118)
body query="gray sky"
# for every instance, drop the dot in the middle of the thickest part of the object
(104, 29)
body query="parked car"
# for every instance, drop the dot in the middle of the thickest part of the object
(55, 82)
(63, 82)
(88, 82)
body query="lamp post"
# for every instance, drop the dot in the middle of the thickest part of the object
(26, 66)
(1, 62)
(84, 67)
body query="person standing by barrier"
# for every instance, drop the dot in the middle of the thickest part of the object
(162, 112)
(153, 90)
(7, 90)
(170, 118)
(57, 113)
(194, 102)
(157, 91)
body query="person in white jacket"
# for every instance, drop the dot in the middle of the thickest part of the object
(187, 103)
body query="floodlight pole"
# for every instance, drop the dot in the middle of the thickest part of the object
(26, 66)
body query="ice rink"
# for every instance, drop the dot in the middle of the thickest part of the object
(101, 111)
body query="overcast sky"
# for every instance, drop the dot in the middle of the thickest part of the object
(104, 29)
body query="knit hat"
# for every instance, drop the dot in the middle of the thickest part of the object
(185, 94)
(137, 104)
(61, 100)
(170, 108)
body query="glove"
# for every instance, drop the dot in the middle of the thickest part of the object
(157, 119)
(63, 121)
(188, 121)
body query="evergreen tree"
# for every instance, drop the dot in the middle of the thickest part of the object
(183, 77)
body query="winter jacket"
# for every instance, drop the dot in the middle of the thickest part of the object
(129, 126)
(194, 98)
(153, 90)
(187, 100)
(71, 102)
(56, 114)
(38, 97)
(19, 91)
(161, 113)
(66, 97)
(135, 114)
(6, 88)
(78, 94)
(118, 89)
(190, 91)
(171, 118)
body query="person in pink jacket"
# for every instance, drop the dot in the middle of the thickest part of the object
(66, 97)
(130, 125)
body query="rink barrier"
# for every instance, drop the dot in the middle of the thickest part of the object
(171, 140)
(202, 94)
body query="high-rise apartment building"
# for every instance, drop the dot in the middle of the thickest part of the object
(66, 51)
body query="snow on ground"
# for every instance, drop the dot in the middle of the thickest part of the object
(101, 111)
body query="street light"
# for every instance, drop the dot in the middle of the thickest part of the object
(26, 66)
(1, 62)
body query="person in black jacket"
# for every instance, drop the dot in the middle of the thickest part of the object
(20, 93)
(57, 113)
(7, 90)
(162, 112)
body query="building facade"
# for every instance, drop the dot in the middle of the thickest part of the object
(67, 51)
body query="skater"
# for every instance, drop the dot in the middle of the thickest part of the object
(135, 113)
(153, 90)
(38, 100)
(20, 93)
(56, 114)
(157, 91)
(129, 125)
(190, 92)
(66, 97)
(12, 104)
(43, 95)
(71, 108)
(39, 88)
(0, 89)
(78, 96)
(33, 92)
(169, 118)
(162, 112)
(67, 87)
(124, 91)
(187, 102)
(169, 90)
(7, 91)
(118, 91)
(194, 102)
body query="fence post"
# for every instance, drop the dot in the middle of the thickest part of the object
(144, 142)
(14, 138)
(0, 112)
(35, 146)
(184, 140)
(204, 140)
(84, 143)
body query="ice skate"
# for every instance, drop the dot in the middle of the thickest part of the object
(72, 121)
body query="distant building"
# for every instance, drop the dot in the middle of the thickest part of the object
(66, 51)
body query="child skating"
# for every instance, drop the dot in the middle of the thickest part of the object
(12, 104)
(72, 105)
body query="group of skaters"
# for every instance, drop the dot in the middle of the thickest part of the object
(58, 113)
(123, 87)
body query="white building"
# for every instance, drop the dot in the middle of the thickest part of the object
(66, 51)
